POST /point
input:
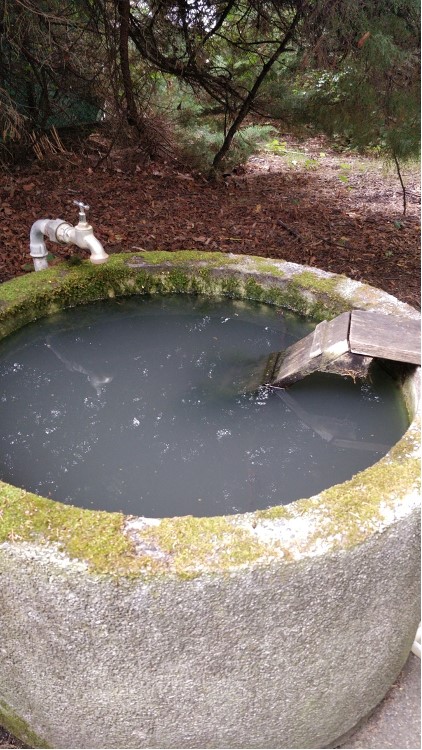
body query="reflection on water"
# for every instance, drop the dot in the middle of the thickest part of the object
(96, 379)
(339, 432)
(136, 406)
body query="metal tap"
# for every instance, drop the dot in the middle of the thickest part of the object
(59, 231)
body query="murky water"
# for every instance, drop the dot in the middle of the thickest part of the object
(137, 406)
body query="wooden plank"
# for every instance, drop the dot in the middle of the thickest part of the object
(336, 340)
(385, 336)
(347, 344)
(318, 339)
(295, 362)
(325, 344)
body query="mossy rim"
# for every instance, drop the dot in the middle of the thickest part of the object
(115, 545)
(20, 728)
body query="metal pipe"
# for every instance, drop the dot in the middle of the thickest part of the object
(37, 246)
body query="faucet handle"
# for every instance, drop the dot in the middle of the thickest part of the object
(82, 208)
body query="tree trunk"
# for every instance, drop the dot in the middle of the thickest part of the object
(123, 8)
(150, 140)
(248, 102)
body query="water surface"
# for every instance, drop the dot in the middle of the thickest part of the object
(137, 405)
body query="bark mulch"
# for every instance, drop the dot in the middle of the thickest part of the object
(340, 213)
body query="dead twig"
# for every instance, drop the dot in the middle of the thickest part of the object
(403, 186)
(290, 230)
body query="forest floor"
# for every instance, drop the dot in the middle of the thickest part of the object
(307, 204)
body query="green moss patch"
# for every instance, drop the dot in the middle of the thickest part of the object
(19, 728)
(349, 512)
(328, 302)
(355, 508)
(38, 294)
(192, 544)
(93, 536)
(186, 545)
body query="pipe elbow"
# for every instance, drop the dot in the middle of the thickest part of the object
(98, 254)
(37, 247)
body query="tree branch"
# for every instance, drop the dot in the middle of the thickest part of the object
(248, 102)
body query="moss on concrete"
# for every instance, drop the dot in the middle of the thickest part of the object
(186, 545)
(358, 507)
(36, 295)
(329, 302)
(19, 728)
(349, 512)
(179, 257)
(264, 265)
(193, 544)
(313, 280)
(93, 536)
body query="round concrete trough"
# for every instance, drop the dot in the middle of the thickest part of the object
(279, 628)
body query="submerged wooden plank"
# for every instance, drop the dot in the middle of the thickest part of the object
(360, 445)
(294, 360)
(385, 336)
(342, 433)
(315, 352)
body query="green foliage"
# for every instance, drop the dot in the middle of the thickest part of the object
(366, 97)
(199, 142)
(348, 69)
(277, 147)
(293, 158)
(372, 100)
(49, 70)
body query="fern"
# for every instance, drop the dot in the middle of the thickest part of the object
(198, 144)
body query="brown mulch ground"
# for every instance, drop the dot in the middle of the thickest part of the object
(342, 213)
(8, 741)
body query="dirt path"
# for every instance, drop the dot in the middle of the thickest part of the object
(304, 204)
